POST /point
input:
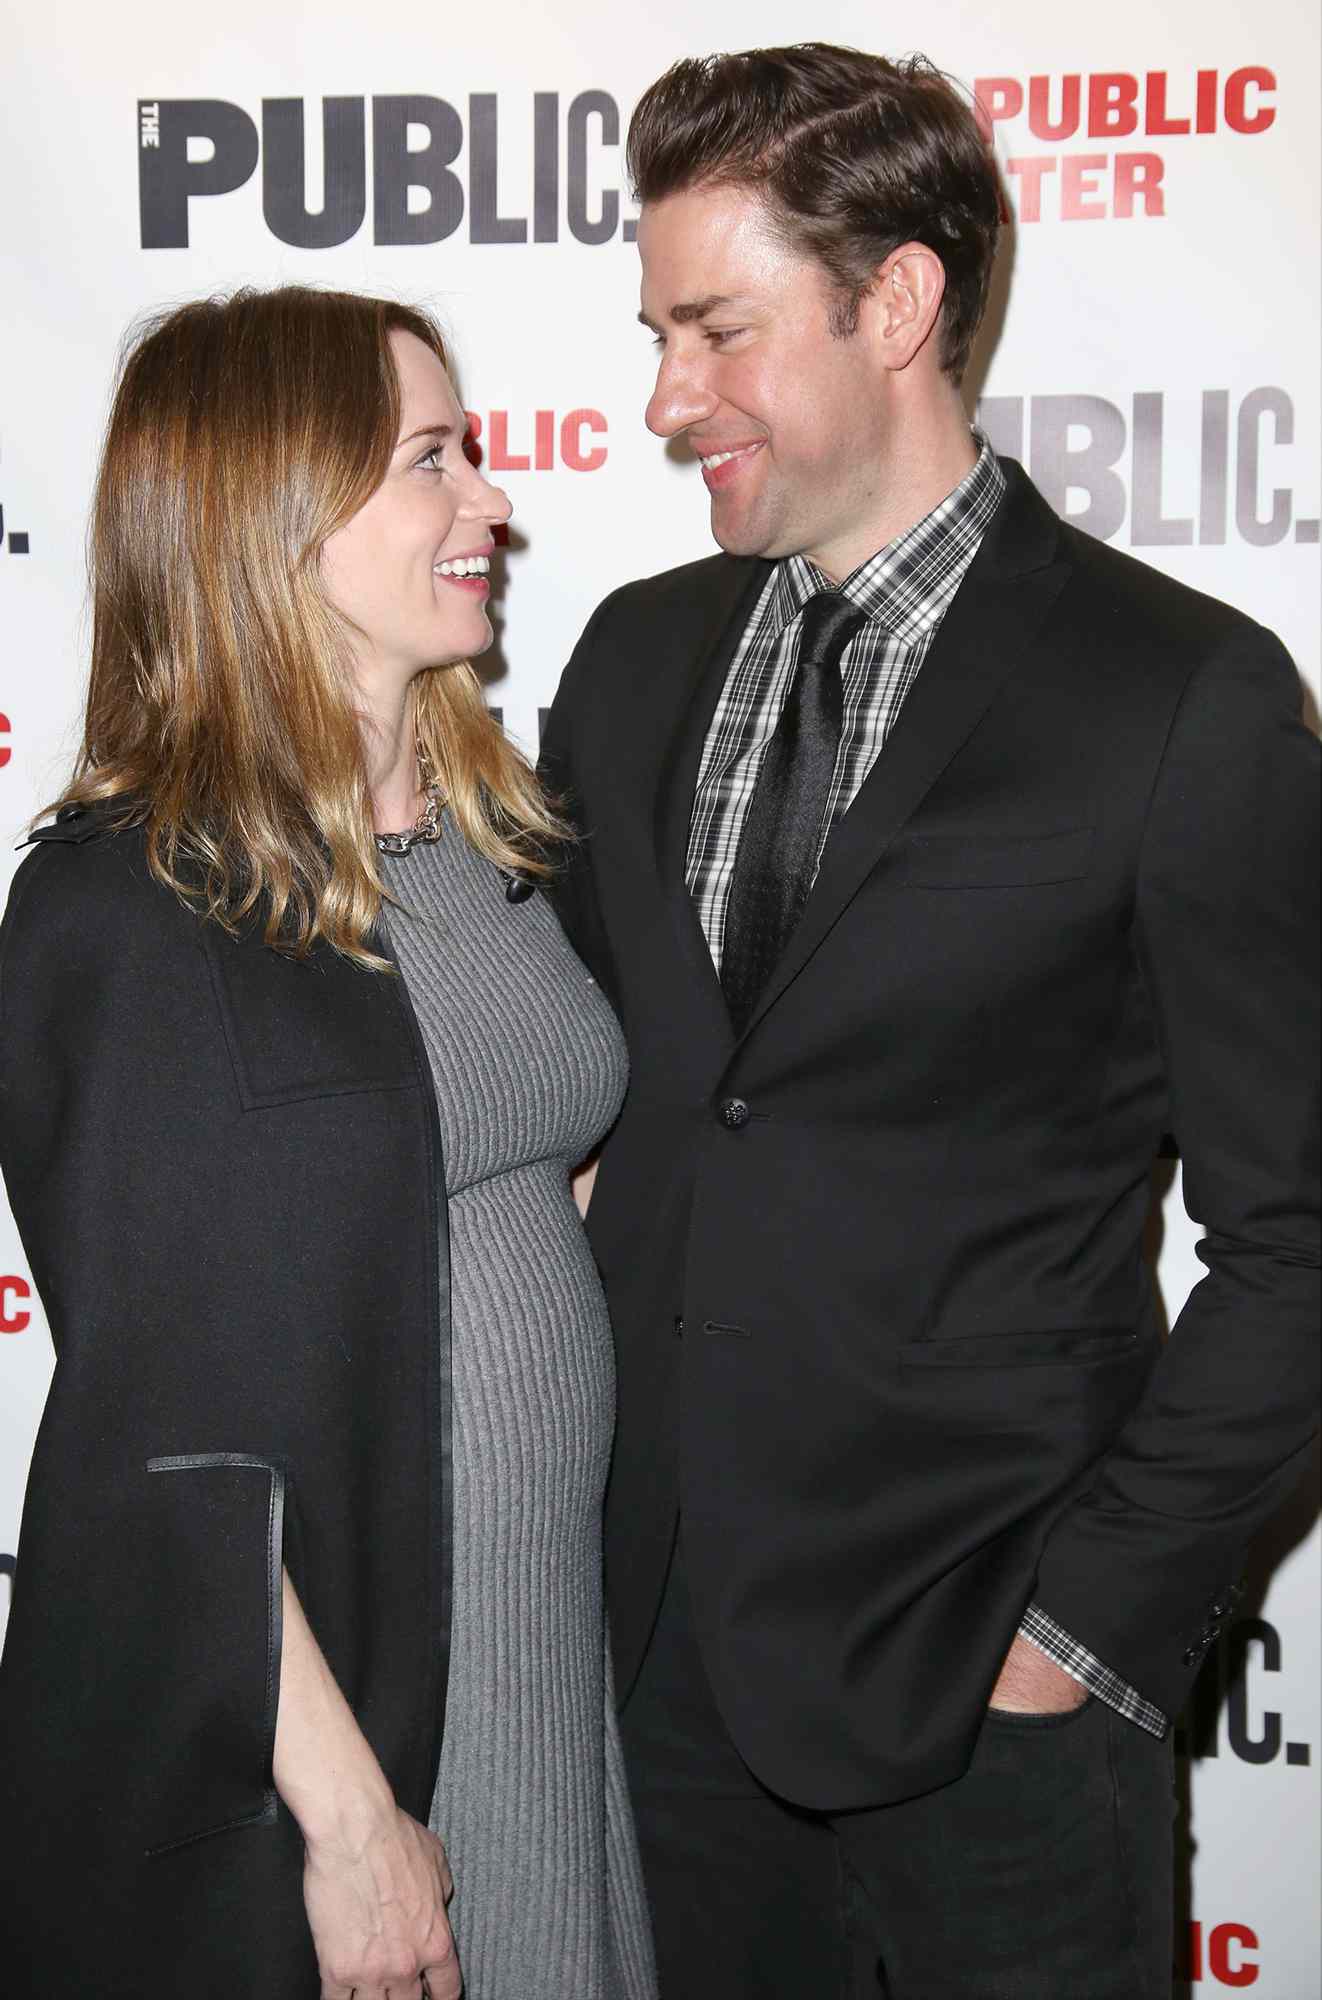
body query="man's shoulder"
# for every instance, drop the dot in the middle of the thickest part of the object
(1135, 604)
(643, 628)
(703, 587)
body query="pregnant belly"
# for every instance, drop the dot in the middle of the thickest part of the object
(532, 1362)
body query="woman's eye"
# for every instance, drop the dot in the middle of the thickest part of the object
(432, 458)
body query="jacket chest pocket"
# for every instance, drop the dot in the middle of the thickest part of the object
(966, 861)
(301, 1028)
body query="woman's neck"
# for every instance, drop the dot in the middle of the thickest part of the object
(392, 764)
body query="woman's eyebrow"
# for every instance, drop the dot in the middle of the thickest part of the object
(428, 430)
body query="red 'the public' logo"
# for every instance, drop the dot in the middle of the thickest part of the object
(1115, 105)
(1222, 1953)
(552, 443)
(13, 1317)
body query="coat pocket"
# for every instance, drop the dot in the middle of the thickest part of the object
(299, 1029)
(216, 1552)
(965, 861)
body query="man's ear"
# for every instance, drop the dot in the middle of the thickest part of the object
(904, 305)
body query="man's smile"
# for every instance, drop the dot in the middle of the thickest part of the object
(721, 468)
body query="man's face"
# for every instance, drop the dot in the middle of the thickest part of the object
(750, 368)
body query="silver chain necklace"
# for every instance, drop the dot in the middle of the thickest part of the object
(427, 826)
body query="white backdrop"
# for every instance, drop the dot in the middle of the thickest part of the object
(1155, 366)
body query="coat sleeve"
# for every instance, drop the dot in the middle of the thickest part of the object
(149, 1692)
(1143, 1568)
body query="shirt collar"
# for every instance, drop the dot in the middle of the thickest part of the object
(908, 584)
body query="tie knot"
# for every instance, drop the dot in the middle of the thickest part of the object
(828, 624)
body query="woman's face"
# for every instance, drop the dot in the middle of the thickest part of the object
(390, 569)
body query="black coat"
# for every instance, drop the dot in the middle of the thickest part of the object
(897, 1225)
(225, 1169)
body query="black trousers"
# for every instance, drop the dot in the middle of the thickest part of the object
(1044, 1873)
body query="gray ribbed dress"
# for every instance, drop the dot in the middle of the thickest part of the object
(529, 1067)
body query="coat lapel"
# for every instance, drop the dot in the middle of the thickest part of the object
(705, 654)
(997, 613)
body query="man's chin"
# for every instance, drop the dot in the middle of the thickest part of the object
(737, 538)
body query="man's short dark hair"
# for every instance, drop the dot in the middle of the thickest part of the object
(852, 155)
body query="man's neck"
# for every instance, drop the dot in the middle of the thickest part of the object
(929, 455)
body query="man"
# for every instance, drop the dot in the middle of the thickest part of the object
(940, 860)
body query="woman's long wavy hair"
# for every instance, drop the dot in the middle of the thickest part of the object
(222, 711)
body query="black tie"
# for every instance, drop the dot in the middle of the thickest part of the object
(773, 869)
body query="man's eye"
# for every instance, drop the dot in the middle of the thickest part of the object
(718, 335)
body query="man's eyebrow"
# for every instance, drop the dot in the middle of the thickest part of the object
(690, 309)
(427, 430)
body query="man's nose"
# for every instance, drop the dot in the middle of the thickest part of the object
(681, 396)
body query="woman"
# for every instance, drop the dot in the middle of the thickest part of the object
(295, 1068)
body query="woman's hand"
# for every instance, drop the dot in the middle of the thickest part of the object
(376, 1907)
(375, 1883)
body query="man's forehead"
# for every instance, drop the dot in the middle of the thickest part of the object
(707, 250)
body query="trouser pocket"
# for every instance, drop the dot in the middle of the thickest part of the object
(1035, 1719)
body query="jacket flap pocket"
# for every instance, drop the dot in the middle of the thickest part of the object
(964, 861)
(1021, 1350)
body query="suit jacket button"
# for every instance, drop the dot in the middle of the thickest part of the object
(679, 1325)
(734, 1114)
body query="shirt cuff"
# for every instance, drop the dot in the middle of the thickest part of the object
(1081, 1665)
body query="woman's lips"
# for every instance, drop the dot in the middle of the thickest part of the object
(473, 567)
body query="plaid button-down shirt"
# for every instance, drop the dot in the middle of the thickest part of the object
(905, 590)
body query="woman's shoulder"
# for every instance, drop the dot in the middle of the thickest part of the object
(84, 889)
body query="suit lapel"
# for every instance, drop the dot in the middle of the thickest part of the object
(993, 622)
(705, 654)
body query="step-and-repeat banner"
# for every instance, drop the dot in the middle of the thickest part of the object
(1151, 357)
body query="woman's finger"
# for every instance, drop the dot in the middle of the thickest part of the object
(442, 1862)
(444, 1981)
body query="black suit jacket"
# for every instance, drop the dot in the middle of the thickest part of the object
(225, 1170)
(919, 1378)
